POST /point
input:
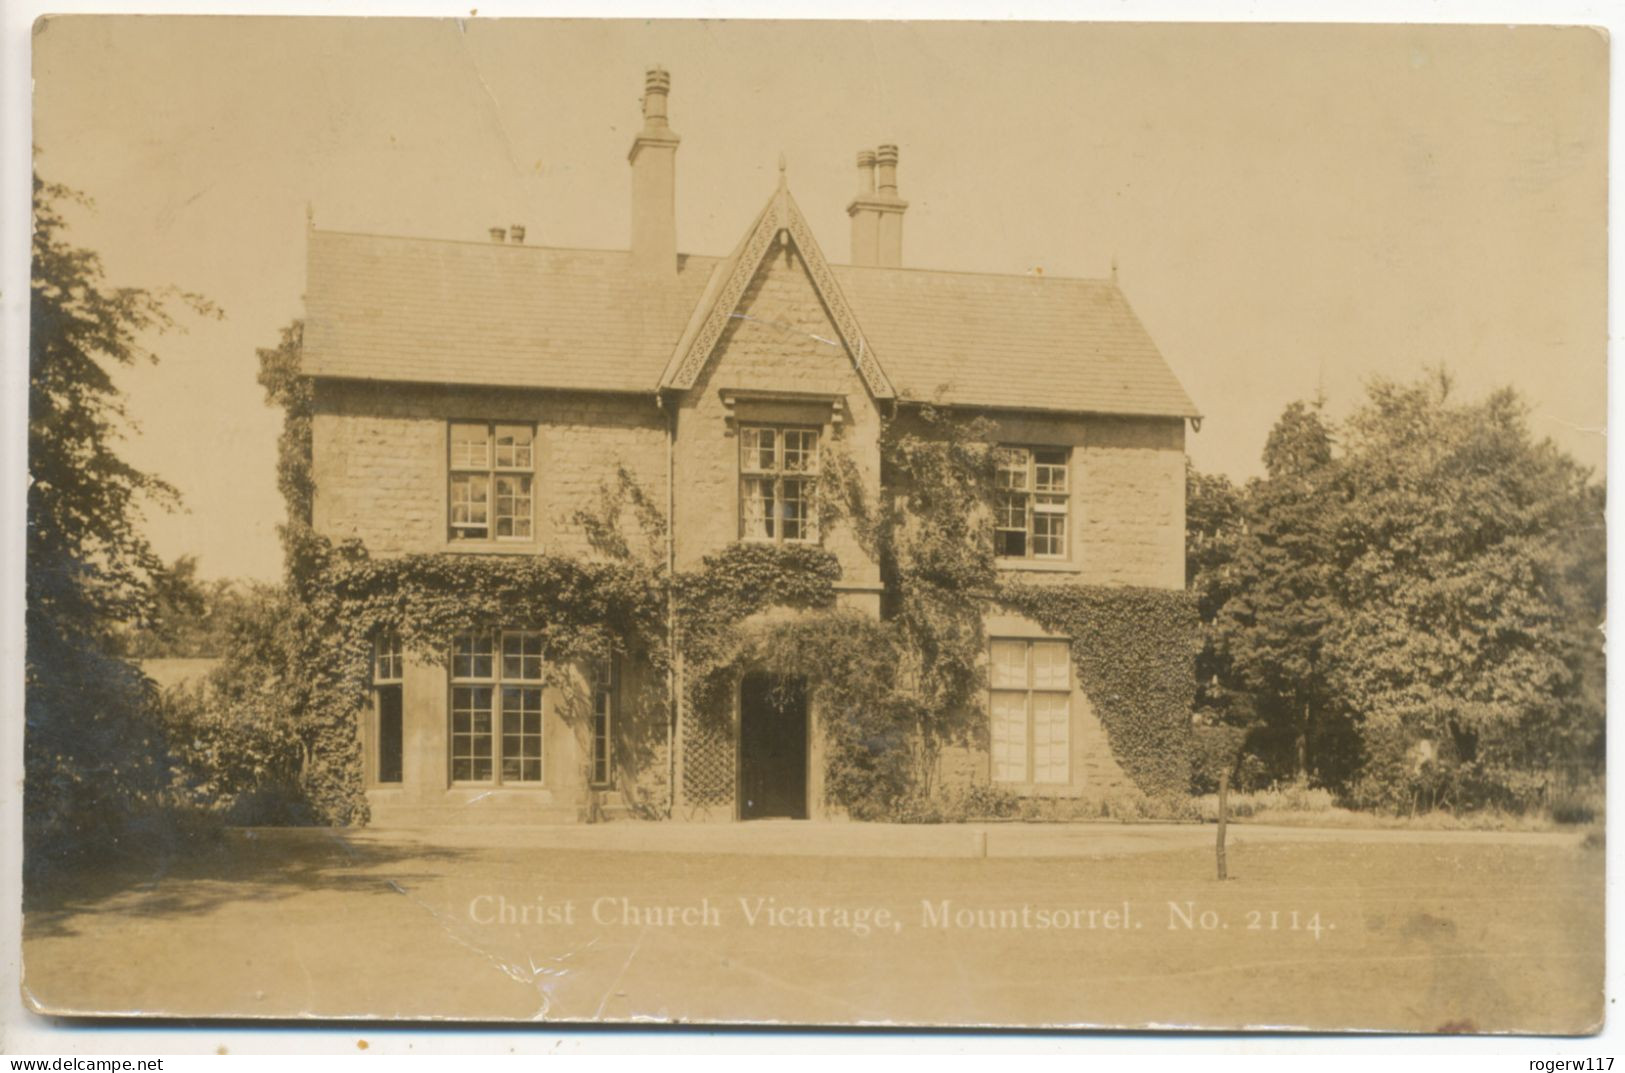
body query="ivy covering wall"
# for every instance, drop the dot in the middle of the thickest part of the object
(881, 687)
(1134, 649)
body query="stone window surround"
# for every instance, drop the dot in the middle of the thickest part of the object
(495, 682)
(492, 470)
(1031, 559)
(1031, 689)
(779, 474)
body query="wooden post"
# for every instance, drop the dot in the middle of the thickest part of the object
(1224, 804)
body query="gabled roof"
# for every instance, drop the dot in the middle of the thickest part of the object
(433, 311)
(731, 278)
(436, 311)
(1024, 342)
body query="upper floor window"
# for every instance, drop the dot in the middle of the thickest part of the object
(1030, 503)
(778, 476)
(491, 468)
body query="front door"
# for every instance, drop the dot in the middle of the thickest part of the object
(772, 747)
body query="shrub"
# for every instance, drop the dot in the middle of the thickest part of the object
(1576, 807)
(961, 804)
(230, 760)
(1215, 751)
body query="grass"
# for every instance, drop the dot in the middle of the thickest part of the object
(1481, 934)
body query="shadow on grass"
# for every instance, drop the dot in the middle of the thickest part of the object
(209, 870)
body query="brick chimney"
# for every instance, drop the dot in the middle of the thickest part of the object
(654, 182)
(877, 211)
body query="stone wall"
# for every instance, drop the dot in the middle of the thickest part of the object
(381, 462)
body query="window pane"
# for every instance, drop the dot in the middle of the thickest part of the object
(514, 445)
(1010, 510)
(513, 507)
(522, 656)
(1049, 470)
(1009, 665)
(1051, 726)
(756, 450)
(1010, 543)
(795, 508)
(602, 713)
(470, 505)
(1051, 665)
(1012, 467)
(470, 445)
(471, 733)
(1049, 527)
(756, 507)
(471, 656)
(521, 734)
(800, 451)
(387, 659)
(390, 754)
(1009, 736)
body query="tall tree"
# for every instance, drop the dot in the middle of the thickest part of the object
(91, 747)
(1275, 627)
(1214, 527)
(1471, 575)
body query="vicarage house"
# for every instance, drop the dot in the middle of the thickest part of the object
(469, 395)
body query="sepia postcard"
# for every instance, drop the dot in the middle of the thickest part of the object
(1024, 525)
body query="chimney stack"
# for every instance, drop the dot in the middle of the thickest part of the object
(498, 235)
(517, 232)
(654, 182)
(877, 211)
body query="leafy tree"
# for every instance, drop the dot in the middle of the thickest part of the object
(93, 751)
(1418, 614)
(1471, 575)
(1275, 628)
(190, 618)
(1215, 524)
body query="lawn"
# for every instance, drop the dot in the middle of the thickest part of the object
(1469, 935)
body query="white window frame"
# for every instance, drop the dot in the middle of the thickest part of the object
(493, 467)
(1034, 694)
(512, 664)
(606, 688)
(779, 472)
(388, 665)
(1043, 499)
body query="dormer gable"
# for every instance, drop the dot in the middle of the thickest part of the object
(779, 223)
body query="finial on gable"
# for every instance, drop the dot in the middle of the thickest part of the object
(310, 216)
(783, 181)
(1114, 268)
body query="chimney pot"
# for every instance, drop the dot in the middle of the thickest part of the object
(866, 172)
(654, 182)
(498, 235)
(517, 231)
(886, 159)
(656, 86)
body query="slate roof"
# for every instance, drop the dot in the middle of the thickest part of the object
(439, 311)
(436, 311)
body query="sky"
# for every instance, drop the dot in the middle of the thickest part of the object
(1291, 210)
